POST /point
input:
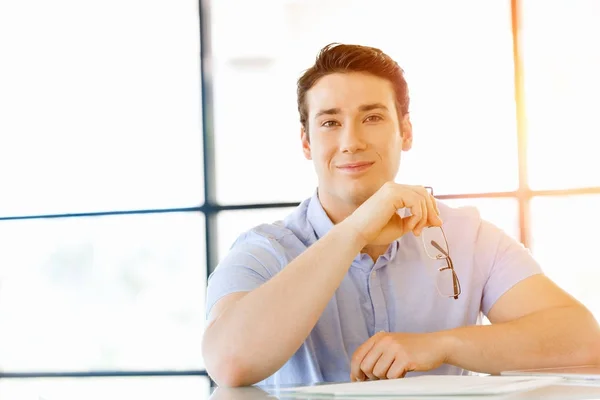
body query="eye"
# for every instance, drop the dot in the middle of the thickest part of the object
(329, 124)
(373, 118)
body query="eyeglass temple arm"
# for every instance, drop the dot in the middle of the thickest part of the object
(451, 266)
(455, 284)
(440, 249)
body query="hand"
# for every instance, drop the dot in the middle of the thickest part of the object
(391, 355)
(377, 221)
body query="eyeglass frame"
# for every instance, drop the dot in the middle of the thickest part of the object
(449, 265)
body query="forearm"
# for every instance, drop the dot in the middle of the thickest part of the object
(556, 337)
(260, 332)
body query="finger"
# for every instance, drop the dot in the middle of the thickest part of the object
(434, 201)
(384, 363)
(360, 378)
(399, 368)
(415, 209)
(434, 213)
(424, 219)
(359, 356)
(370, 360)
(406, 197)
(410, 223)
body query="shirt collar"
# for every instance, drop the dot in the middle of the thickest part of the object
(317, 217)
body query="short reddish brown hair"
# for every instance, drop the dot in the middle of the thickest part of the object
(336, 57)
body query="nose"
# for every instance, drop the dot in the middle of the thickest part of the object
(352, 139)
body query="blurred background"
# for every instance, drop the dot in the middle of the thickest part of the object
(139, 138)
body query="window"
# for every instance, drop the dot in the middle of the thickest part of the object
(102, 293)
(502, 212)
(564, 236)
(101, 130)
(562, 96)
(562, 92)
(97, 118)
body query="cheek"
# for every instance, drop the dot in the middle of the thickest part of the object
(389, 153)
(323, 153)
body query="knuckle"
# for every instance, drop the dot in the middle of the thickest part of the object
(387, 340)
(364, 366)
(397, 347)
(420, 189)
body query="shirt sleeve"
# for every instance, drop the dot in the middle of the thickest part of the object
(251, 261)
(507, 261)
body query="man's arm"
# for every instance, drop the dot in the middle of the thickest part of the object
(277, 316)
(535, 324)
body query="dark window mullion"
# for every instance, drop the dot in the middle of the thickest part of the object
(208, 132)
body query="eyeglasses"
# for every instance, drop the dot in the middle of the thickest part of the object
(436, 247)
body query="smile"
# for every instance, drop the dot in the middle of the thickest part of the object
(355, 168)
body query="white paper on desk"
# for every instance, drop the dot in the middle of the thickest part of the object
(430, 385)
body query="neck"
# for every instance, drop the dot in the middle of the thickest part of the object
(338, 210)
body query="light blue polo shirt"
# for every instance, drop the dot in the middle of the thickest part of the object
(395, 294)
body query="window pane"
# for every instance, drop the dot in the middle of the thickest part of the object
(231, 224)
(502, 212)
(564, 239)
(461, 86)
(562, 88)
(147, 388)
(100, 106)
(93, 293)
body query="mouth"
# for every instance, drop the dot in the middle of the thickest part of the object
(355, 168)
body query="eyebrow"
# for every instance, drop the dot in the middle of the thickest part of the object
(329, 111)
(364, 107)
(373, 106)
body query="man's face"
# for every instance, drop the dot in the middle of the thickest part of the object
(354, 137)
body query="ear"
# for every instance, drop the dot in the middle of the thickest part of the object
(406, 132)
(305, 143)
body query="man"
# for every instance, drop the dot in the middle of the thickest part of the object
(344, 288)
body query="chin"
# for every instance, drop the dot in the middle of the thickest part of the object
(358, 196)
(361, 191)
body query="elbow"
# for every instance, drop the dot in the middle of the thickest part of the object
(225, 368)
(228, 372)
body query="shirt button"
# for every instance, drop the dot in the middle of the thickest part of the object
(374, 274)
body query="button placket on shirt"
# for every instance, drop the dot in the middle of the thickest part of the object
(377, 299)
